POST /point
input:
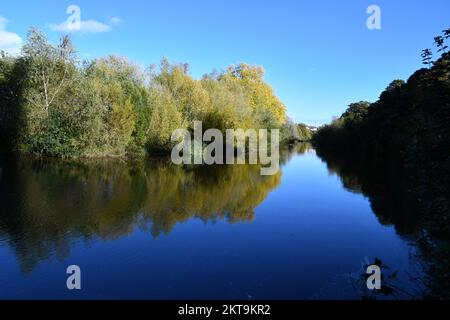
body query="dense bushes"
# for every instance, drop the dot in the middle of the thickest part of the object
(292, 132)
(51, 104)
(346, 130)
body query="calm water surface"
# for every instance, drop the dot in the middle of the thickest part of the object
(157, 231)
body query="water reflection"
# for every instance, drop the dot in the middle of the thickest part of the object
(383, 183)
(48, 204)
(105, 215)
(386, 186)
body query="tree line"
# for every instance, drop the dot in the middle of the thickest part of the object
(54, 105)
(410, 126)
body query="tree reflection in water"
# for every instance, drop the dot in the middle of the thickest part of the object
(387, 188)
(48, 204)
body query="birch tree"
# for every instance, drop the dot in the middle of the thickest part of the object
(49, 70)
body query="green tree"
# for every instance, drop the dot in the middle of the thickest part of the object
(50, 74)
(290, 132)
(113, 104)
(305, 133)
(165, 118)
(260, 95)
(188, 94)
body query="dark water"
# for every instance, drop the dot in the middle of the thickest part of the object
(157, 231)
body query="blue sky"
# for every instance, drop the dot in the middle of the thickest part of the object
(319, 55)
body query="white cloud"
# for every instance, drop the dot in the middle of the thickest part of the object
(87, 26)
(9, 42)
(114, 21)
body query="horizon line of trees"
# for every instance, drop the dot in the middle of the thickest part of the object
(52, 104)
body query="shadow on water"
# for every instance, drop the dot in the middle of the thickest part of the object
(388, 189)
(384, 184)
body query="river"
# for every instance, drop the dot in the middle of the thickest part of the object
(153, 230)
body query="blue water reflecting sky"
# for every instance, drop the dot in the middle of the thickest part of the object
(306, 237)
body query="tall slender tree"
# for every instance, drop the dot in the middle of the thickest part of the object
(426, 57)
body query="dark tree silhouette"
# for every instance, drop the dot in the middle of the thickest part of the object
(446, 33)
(426, 57)
(439, 42)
